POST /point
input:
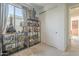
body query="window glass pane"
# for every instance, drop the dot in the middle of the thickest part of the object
(18, 19)
(10, 14)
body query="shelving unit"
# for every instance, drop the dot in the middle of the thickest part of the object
(9, 43)
(13, 43)
(20, 40)
(0, 45)
(33, 31)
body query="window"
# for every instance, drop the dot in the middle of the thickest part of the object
(10, 14)
(16, 14)
(18, 19)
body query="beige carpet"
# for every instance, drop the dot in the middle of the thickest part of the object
(45, 50)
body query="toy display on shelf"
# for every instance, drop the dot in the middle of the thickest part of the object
(9, 43)
(20, 40)
(33, 26)
(14, 42)
(1, 45)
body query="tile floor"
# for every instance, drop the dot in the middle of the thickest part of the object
(45, 50)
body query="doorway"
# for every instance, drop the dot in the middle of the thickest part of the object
(74, 28)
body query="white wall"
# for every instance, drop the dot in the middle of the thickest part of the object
(53, 30)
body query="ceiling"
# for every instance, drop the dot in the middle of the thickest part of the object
(45, 4)
(72, 6)
(41, 5)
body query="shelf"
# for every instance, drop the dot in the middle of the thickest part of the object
(18, 41)
(33, 20)
(34, 26)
